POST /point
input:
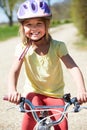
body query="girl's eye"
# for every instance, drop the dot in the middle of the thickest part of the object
(40, 24)
(28, 25)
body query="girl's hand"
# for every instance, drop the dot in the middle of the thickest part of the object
(14, 97)
(82, 97)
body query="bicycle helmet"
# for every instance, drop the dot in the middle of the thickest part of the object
(33, 9)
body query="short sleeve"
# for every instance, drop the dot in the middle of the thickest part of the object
(18, 50)
(62, 49)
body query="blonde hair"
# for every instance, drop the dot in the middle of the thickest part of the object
(25, 40)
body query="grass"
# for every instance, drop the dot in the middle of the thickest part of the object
(7, 32)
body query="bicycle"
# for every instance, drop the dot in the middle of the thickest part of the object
(44, 122)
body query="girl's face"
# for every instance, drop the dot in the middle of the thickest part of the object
(34, 28)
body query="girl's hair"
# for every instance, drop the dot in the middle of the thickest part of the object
(26, 40)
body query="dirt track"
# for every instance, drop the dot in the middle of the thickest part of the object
(11, 120)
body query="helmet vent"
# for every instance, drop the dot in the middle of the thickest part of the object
(25, 6)
(34, 6)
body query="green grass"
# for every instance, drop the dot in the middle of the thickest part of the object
(55, 23)
(7, 32)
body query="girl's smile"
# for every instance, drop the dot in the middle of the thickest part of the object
(34, 28)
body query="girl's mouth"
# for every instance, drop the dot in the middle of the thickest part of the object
(35, 34)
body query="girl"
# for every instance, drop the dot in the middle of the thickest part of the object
(41, 56)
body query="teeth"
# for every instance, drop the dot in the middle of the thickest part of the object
(35, 33)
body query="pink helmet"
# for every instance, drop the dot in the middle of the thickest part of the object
(33, 9)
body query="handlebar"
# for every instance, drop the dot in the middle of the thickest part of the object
(67, 98)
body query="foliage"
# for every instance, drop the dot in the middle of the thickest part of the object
(79, 15)
(55, 23)
(61, 11)
(7, 32)
(8, 7)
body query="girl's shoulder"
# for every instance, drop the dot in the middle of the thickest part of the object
(57, 44)
(59, 47)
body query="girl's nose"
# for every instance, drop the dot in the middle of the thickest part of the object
(34, 27)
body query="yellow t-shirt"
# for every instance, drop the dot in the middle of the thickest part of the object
(44, 74)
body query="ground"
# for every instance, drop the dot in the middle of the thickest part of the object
(11, 119)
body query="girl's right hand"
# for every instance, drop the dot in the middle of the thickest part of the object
(14, 97)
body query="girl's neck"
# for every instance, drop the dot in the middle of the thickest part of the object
(41, 47)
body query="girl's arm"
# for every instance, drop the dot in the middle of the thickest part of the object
(13, 95)
(77, 76)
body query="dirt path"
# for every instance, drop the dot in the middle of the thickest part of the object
(11, 120)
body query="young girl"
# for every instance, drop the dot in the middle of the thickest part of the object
(41, 56)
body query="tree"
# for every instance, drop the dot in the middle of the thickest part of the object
(79, 15)
(8, 7)
(61, 11)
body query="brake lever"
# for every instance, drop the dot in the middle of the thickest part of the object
(76, 104)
